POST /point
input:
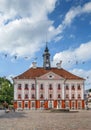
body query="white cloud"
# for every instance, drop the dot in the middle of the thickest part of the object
(74, 56)
(24, 25)
(87, 8)
(72, 36)
(58, 38)
(85, 74)
(71, 15)
(76, 11)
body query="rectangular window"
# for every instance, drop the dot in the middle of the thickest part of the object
(73, 96)
(19, 96)
(67, 96)
(59, 87)
(33, 87)
(19, 86)
(67, 88)
(50, 86)
(41, 86)
(33, 96)
(79, 87)
(50, 96)
(79, 96)
(26, 96)
(59, 96)
(73, 87)
(41, 96)
(26, 86)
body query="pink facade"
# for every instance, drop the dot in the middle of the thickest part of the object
(48, 91)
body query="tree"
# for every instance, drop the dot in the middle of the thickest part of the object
(6, 91)
(89, 90)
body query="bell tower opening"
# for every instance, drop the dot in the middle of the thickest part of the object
(46, 58)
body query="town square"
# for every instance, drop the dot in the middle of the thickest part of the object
(45, 120)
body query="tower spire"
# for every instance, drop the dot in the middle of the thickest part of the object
(46, 58)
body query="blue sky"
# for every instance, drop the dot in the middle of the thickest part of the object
(26, 25)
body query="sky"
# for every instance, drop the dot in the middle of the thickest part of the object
(26, 26)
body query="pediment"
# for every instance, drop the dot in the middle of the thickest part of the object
(50, 76)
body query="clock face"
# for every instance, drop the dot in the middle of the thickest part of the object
(47, 65)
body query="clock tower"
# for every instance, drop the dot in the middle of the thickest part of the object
(46, 58)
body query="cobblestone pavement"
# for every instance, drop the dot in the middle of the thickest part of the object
(45, 120)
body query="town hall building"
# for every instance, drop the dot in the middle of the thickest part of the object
(48, 87)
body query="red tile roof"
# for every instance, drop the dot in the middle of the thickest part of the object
(32, 73)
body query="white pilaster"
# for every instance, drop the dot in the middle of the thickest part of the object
(15, 91)
(37, 91)
(22, 91)
(63, 96)
(55, 91)
(29, 91)
(82, 91)
(46, 90)
(70, 92)
(76, 92)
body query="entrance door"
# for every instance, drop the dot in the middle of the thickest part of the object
(19, 105)
(73, 105)
(50, 104)
(33, 105)
(59, 104)
(41, 105)
(79, 105)
(26, 105)
(67, 104)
